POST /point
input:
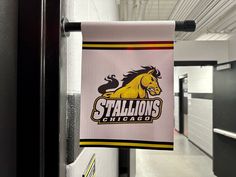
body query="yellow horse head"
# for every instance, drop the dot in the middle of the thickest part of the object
(136, 84)
(151, 84)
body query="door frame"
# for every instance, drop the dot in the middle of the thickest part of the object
(181, 117)
(41, 94)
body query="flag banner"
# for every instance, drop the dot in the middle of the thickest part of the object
(127, 85)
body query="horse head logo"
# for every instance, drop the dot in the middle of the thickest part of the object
(150, 83)
(136, 84)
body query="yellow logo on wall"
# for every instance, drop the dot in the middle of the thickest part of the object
(130, 103)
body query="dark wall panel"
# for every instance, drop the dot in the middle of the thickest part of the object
(225, 98)
(224, 156)
(8, 61)
(41, 90)
(224, 117)
(28, 89)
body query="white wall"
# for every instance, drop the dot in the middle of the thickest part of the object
(201, 50)
(176, 112)
(200, 80)
(232, 48)
(105, 160)
(84, 10)
(88, 10)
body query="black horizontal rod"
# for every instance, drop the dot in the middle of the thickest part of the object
(185, 26)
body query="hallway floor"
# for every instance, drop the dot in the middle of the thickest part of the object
(185, 161)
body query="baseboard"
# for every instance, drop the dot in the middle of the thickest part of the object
(200, 149)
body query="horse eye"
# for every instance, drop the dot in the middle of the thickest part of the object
(152, 79)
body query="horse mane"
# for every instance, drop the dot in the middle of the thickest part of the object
(134, 73)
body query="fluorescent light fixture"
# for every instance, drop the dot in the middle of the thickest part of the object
(213, 37)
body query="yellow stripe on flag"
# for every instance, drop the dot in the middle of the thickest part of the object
(127, 45)
(128, 144)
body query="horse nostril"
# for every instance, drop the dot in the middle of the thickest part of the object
(158, 89)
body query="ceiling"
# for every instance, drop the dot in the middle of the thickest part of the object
(215, 19)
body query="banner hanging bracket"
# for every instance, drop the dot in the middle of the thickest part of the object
(181, 26)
